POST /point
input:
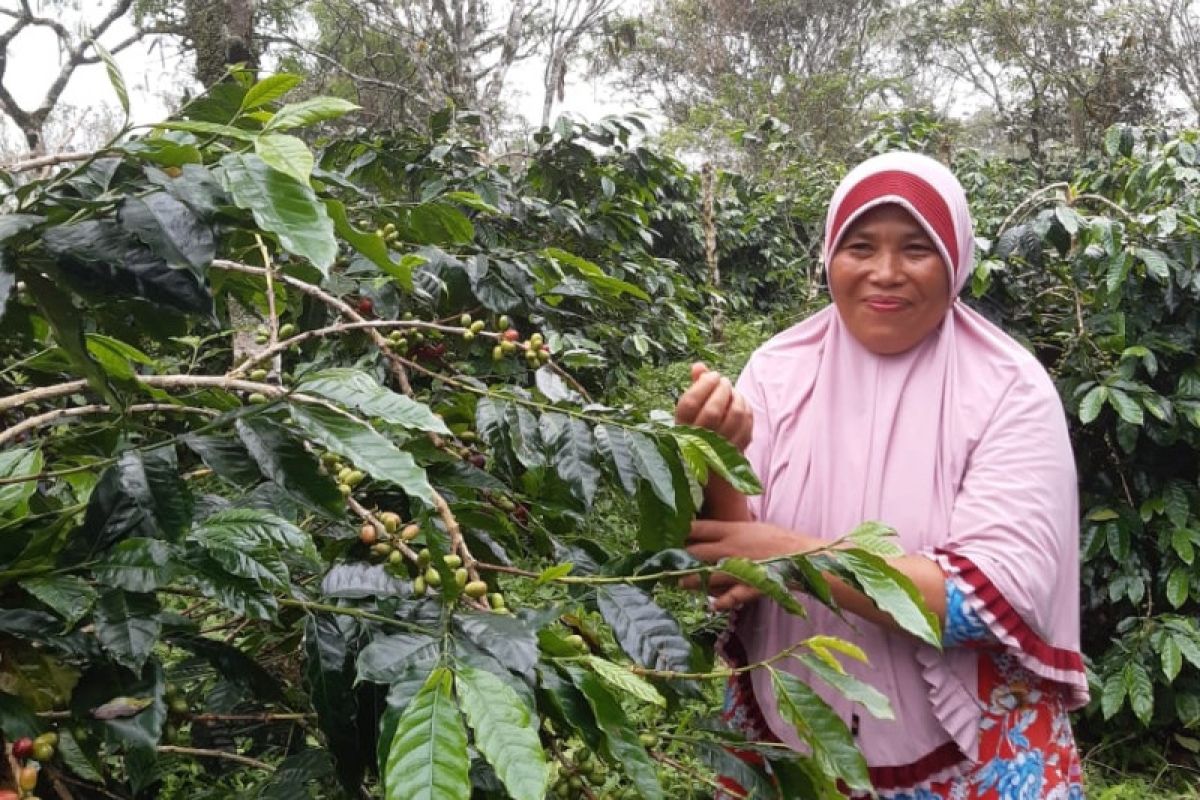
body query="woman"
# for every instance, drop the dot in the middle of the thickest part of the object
(898, 403)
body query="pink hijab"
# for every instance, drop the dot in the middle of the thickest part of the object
(961, 445)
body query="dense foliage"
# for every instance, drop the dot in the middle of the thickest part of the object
(299, 451)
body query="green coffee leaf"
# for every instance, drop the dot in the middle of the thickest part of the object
(269, 89)
(816, 723)
(892, 592)
(309, 112)
(718, 454)
(355, 389)
(428, 757)
(288, 154)
(505, 732)
(763, 579)
(624, 681)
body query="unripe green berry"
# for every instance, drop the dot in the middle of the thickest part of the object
(452, 561)
(259, 375)
(287, 331)
(460, 577)
(433, 578)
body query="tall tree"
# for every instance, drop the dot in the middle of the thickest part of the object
(1177, 25)
(568, 25)
(77, 49)
(718, 65)
(1060, 71)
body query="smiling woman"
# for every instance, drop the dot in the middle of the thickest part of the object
(900, 404)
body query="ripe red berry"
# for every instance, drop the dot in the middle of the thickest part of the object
(23, 747)
(511, 335)
(365, 305)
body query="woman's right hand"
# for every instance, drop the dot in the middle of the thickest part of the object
(711, 402)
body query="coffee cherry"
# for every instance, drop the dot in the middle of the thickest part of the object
(543, 356)
(396, 557)
(468, 335)
(502, 323)
(287, 331)
(390, 520)
(496, 601)
(410, 532)
(43, 751)
(497, 353)
(355, 478)
(452, 561)
(367, 534)
(23, 747)
(475, 589)
(510, 335)
(27, 778)
(344, 474)
(465, 320)
(576, 641)
(648, 739)
(535, 341)
(345, 489)
(49, 737)
(460, 577)
(259, 375)
(365, 305)
(382, 549)
(423, 558)
(433, 577)
(477, 326)
(256, 398)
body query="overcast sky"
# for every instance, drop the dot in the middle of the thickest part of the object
(157, 73)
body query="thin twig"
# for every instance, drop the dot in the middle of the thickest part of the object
(272, 312)
(45, 161)
(396, 542)
(205, 753)
(1032, 199)
(14, 432)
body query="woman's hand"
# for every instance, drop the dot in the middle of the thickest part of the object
(713, 540)
(711, 402)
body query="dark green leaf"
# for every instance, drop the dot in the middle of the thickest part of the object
(428, 758)
(647, 633)
(1178, 586)
(1140, 691)
(1113, 695)
(508, 639)
(114, 75)
(226, 456)
(137, 565)
(436, 223)
(284, 460)
(387, 658)
(366, 448)
(66, 322)
(852, 688)
(373, 247)
(127, 626)
(355, 581)
(329, 672)
(1126, 406)
(140, 495)
(15, 463)
(573, 454)
(170, 229)
(66, 595)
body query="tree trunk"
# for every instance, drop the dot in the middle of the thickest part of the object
(222, 33)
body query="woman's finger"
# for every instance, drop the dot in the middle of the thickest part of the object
(694, 399)
(716, 408)
(707, 530)
(734, 598)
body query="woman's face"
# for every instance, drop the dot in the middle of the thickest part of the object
(888, 281)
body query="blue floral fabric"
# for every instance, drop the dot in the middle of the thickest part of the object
(963, 625)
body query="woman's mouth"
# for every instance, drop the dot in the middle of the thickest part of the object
(885, 305)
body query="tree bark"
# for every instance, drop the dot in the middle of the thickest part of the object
(222, 33)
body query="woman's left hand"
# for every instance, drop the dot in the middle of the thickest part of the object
(713, 540)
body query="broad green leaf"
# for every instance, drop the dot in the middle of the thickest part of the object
(428, 758)
(1092, 403)
(66, 595)
(624, 681)
(636, 456)
(506, 732)
(1112, 697)
(269, 89)
(647, 633)
(573, 454)
(127, 626)
(66, 323)
(594, 275)
(763, 579)
(140, 495)
(137, 565)
(508, 639)
(13, 224)
(356, 580)
(1125, 406)
(1176, 504)
(436, 223)
(373, 247)
(114, 75)
(1157, 263)
(356, 389)
(892, 592)
(1189, 645)
(663, 526)
(227, 457)
(283, 459)
(364, 447)
(288, 154)
(15, 463)
(1172, 658)
(1178, 586)
(720, 455)
(1103, 515)
(877, 539)
(1140, 691)
(1183, 543)
(619, 736)
(387, 658)
(309, 112)
(283, 206)
(170, 229)
(75, 759)
(329, 672)
(831, 742)
(870, 698)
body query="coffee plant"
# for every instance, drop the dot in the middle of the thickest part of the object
(301, 436)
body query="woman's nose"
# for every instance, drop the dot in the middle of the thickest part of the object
(888, 267)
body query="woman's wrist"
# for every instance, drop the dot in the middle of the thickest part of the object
(723, 502)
